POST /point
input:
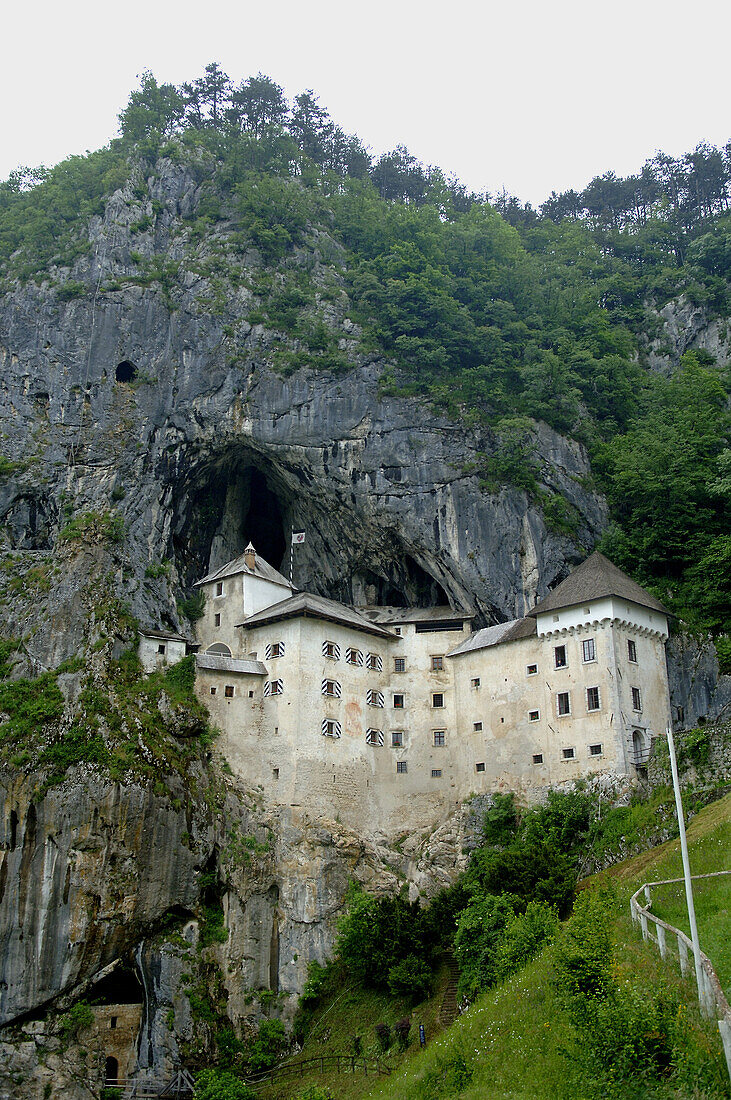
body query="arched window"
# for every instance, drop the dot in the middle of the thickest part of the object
(111, 1071)
(219, 649)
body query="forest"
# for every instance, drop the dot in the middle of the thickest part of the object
(495, 312)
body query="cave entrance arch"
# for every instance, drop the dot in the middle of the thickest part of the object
(125, 371)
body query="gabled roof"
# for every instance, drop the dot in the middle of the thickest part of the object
(414, 614)
(594, 579)
(496, 635)
(262, 569)
(216, 662)
(164, 635)
(308, 606)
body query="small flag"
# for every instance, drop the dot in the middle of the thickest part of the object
(298, 537)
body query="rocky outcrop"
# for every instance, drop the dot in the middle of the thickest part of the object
(684, 326)
(205, 445)
(698, 691)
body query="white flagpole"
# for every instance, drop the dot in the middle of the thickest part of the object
(699, 972)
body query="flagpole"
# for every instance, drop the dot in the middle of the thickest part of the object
(291, 557)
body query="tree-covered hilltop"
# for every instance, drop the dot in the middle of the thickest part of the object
(498, 313)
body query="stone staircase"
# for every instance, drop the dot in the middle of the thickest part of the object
(448, 1010)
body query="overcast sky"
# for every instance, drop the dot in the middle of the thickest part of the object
(528, 96)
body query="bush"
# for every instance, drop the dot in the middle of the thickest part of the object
(77, 1019)
(524, 936)
(213, 1084)
(401, 1030)
(383, 1035)
(410, 978)
(268, 1046)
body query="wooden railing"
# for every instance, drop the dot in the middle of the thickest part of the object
(341, 1063)
(710, 995)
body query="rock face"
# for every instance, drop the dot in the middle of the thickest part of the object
(202, 446)
(698, 692)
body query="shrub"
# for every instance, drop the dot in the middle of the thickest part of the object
(583, 953)
(268, 1045)
(192, 607)
(524, 936)
(410, 978)
(383, 1035)
(401, 1030)
(213, 1084)
(77, 1019)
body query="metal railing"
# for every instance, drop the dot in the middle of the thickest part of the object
(710, 995)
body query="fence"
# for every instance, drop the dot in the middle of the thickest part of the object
(341, 1063)
(710, 995)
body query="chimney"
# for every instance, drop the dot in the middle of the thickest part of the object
(250, 557)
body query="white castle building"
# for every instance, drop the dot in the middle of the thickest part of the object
(387, 717)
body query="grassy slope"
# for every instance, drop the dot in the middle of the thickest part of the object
(516, 1042)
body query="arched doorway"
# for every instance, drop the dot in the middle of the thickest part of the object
(111, 1071)
(219, 649)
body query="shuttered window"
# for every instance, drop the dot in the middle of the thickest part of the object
(374, 698)
(331, 650)
(354, 657)
(375, 662)
(274, 649)
(331, 728)
(273, 687)
(374, 737)
(332, 688)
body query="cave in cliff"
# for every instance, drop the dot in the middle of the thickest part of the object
(240, 496)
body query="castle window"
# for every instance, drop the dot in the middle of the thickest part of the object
(475, 682)
(354, 657)
(437, 664)
(479, 767)
(161, 649)
(568, 754)
(534, 715)
(538, 758)
(477, 727)
(374, 698)
(273, 687)
(331, 728)
(437, 699)
(559, 656)
(636, 699)
(440, 738)
(331, 688)
(563, 703)
(592, 698)
(397, 738)
(632, 651)
(217, 619)
(214, 690)
(113, 1022)
(436, 773)
(374, 661)
(588, 650)
(399, 664)
(274, 650)
(397, 630)
(219, 588)
(595, 750)
(401, 767)
(398, 702)
(531, 670)
(331, 650)
(374, 737)
(228, 691)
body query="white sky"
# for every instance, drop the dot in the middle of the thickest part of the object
(530, 96)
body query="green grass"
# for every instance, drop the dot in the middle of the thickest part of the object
(516, 1042)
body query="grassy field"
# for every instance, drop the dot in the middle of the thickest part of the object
(517, 1042)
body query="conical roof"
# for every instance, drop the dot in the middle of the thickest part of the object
(594, 579)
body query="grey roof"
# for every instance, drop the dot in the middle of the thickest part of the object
(168, 635)
(216, 663)
(413, 614)
(315, 607)
(495, 635)
(262, 568)
(594, 579)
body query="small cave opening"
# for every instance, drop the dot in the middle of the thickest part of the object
(125, 371)
(404, 583)
(121, 987)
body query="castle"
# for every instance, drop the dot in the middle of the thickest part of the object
(388, 717)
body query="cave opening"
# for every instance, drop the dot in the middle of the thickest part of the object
(121, 987)
(226, 505)
(125, 371)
